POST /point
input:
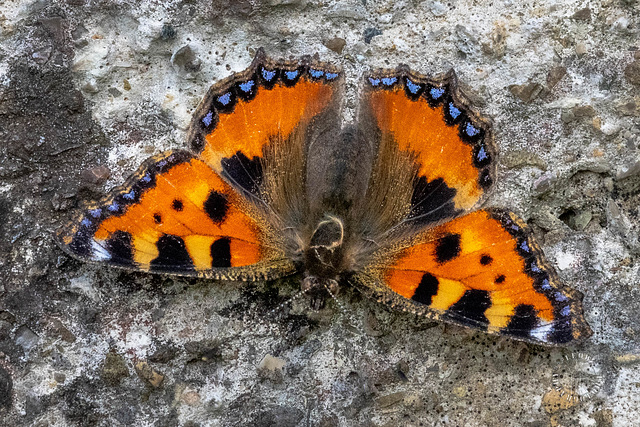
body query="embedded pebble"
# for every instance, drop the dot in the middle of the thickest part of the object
(632, 72)
(560, 400)
(554, 76)
(526, 92)
(114, 369)
(370, 33)
(583, 14)
(148, 374)
(272, 368)
(520, 158)
(96, 176)
(185, 60)
(390, 399)
(336, 44)
(26, 338)
(438, 9)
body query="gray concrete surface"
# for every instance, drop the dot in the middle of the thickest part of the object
(89, 89)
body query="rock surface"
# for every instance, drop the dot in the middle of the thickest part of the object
(88, 90)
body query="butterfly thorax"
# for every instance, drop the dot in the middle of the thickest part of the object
(324, 256)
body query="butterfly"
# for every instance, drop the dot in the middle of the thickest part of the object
(275, 184)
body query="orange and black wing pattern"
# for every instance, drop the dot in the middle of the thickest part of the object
(214, 212)
(175, 215)
(255, 127)
(482, 270)
(435, 164)
(435, 154)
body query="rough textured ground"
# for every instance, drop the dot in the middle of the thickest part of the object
(88, 89)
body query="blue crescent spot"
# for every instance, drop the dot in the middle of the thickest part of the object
(388, 81)
(413, 88)
(95, 212)
(316, 74)
(482, 155)
(374, 82)
(565, 311)
(331, 76)
(560, 297)
(436, 92)
(535, 268)
(515, 227)
(472, 130)
(225, 99)
(246, 86)
(208, 118)
(147, 178)
(161, 163)
(546, 285)
(453, 110)
(113, 207)
(130, 195)
(524, 246)
(268, 75)
(291, 74)
(85, 222)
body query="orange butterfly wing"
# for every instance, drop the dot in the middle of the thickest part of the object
(482, 269)
(434, 153)
(255, 128)
(175, 215)
(218, 212)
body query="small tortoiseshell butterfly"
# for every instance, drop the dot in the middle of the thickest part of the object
(275, 184)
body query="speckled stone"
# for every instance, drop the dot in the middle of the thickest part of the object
(570, 115)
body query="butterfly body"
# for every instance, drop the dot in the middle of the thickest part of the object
(275, 184)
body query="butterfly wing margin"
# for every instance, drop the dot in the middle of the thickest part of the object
(175, 215)
(483, 270)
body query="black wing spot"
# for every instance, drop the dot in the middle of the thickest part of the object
(157, 218)
(221, 253)
(172, 255)
(120, 248)
(486, 259)
(245, 172)
(448, 248)
(471, 307)
(427, 288)
(523, 320)
(216, 206)
(432, 201)
(500, 279)
(177, 205)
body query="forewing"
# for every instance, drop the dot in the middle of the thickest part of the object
(482, 270)
(435, 155)
(255, 129)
